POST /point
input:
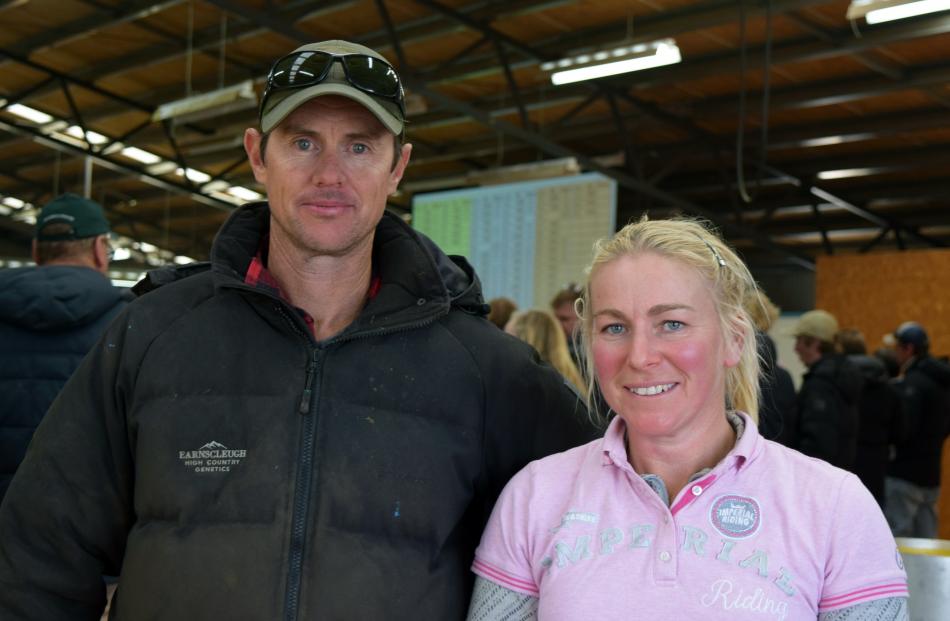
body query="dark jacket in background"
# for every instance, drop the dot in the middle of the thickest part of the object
(828, 411)
(925, 395)
(50, 317)
(879, 424)
(232, 467)
(778, 408)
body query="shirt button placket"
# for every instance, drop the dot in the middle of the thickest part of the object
(664, 568)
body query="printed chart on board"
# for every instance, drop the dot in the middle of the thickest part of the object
(525, 240)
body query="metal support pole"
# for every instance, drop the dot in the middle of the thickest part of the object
(87, 177)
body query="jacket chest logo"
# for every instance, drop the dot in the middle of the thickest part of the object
(212, 457)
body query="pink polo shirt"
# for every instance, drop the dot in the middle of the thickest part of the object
(766, 534)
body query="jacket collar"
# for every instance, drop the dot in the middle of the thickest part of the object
(418, 281)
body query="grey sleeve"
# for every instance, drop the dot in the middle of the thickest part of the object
(888, 609)
(493, 602)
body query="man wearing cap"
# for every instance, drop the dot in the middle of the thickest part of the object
(50, 316)
(316, 427)
(828, 398)
(913, 482)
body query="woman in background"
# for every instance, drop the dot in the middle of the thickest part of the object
(543, 332)
(682, 510)
(501, 310)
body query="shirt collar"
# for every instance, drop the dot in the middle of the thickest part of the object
(614, 446)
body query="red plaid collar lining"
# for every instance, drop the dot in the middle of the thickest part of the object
(260, 278)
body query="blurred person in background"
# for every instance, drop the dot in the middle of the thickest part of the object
(888, 358)
(562, 305)
(912, 485)
(501, 311)
(879, 414)
(540, 329)
(828, 397)
(778, 407)
(50, 317)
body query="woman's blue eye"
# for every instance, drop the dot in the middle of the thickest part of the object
(673, 326)
(613, 328)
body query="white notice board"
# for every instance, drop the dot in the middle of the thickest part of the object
(525, 240)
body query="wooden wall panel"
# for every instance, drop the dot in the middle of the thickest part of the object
(876, 292)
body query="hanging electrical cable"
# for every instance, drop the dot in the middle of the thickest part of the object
(189, 51)
(743, 88)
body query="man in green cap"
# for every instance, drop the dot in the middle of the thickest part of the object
(50, 317)
(315, 427)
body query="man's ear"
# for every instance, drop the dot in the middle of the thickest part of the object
(100, 253)
(396, 175)
(252, 146)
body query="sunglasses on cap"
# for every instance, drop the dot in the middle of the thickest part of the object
(366, 73)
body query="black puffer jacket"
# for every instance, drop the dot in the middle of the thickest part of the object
(879, 424)
(925, 395)
(233, 468)
(828, 411)
(50, 317)
(777, 402)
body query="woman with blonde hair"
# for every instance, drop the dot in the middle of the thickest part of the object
(682, 510)
(543, 332)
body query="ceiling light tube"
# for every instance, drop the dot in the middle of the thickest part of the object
(140, 155)
(847, 173)
(30, 114)
(665, 52)
(903, 11)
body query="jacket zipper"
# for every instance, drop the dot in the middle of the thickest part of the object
(298, 536)
(298, 529)
(306, 409)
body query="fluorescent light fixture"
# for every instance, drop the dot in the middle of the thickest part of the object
(4, 210)
(846, 173)
(30, 114)
(12, 201)
(599, 64)
(92, 137)
(121, 254)
(123, 283)
(194, 175)
(912, 9)
(825, 141)
(218, 185)
(163, 168)
(878, 11)
(134, 153)
(216, 103)
(183, 260)
(244, 193)
(147, 247)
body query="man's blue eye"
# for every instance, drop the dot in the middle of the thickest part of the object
(360, 148)
(303, 144)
